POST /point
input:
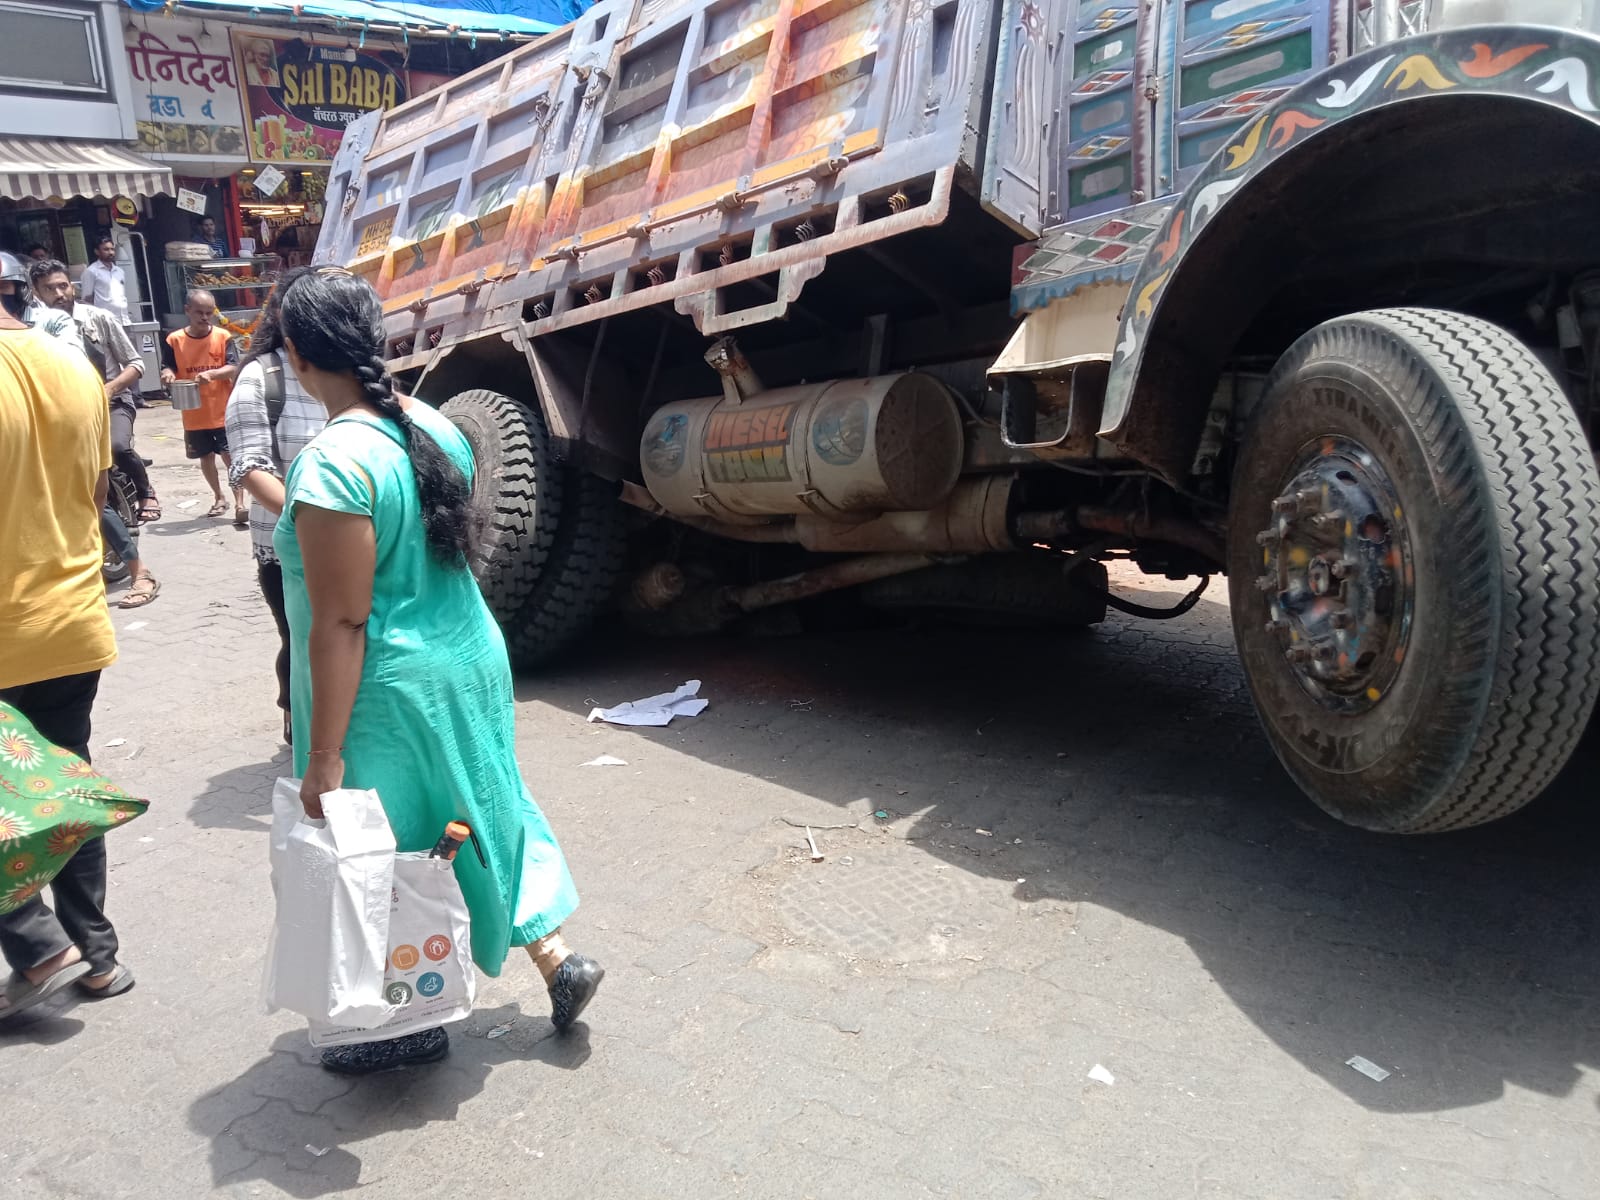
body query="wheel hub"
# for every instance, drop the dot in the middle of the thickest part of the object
(1337, 575)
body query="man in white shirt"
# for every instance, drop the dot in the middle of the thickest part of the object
(104, 284)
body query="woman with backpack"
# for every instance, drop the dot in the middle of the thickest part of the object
(271, 418)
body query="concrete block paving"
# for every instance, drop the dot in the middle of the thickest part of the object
(1088, 857)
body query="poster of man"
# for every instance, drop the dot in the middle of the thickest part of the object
(301, 95)
(260, 60)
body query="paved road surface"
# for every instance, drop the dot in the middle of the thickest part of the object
(1088, 857)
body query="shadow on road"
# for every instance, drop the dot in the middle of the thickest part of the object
(241, 797)
(1131, 761)
(287, 1122)
(46, 1025)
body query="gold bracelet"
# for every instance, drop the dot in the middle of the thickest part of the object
(335, 750)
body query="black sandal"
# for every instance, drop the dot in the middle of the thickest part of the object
(367, 1058)
(571, 988)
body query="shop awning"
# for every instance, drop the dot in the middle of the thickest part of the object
(41, 168)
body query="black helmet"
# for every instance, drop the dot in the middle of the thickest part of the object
(13, 272)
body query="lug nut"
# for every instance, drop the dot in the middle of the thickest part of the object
(1291, 505)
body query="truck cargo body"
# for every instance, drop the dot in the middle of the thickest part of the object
(946, 303)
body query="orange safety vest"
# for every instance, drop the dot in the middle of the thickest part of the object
(194, 355)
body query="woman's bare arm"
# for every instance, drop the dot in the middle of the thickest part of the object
(340, 554)
(267, 489)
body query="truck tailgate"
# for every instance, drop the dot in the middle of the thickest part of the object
(660, 150)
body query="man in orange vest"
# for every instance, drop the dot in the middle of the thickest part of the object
(202, 352)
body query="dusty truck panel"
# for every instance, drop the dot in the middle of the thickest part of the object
(641, 157)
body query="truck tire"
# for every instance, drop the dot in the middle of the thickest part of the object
(552, 539)
(1414, 570)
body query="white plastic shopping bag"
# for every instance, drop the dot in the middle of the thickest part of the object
(430, 979)
(333, 881)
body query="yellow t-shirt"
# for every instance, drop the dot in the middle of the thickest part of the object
(55, 440)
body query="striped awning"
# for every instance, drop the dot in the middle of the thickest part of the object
(46, 168)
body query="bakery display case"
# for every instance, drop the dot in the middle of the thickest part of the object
(240, 285)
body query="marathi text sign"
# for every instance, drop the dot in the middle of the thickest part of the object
(300, 95)
(185, 91)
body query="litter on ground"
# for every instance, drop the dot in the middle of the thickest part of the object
(1367, 1067)
(655, 710)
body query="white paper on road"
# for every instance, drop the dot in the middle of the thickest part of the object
(1367, 1067)
(655, 710)
(605, 760)
(1100, 1075)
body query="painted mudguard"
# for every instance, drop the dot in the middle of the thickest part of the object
(1548, 66)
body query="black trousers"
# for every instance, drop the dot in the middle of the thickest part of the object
(59, 710)
(271, 576)
(122, 451)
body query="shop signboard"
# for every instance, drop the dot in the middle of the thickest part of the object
(185, 89)
(301, 94)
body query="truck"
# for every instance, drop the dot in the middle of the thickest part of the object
(944, 304)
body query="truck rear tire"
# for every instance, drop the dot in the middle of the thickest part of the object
(1414, 570)
(552, 539)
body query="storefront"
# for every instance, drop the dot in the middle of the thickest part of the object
(249, 118)
(58, 197)
(69, 172)
(190, 116)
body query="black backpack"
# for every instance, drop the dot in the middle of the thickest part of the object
(272, 367)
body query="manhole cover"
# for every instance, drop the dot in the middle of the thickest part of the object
(897, 908)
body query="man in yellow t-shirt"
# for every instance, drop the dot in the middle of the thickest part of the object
(55, 633)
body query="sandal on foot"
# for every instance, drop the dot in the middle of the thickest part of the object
(367, 1058)
(571, 988)
(219, 509)
(19, 995)
(121, 981)
(241, 518)
(149, 510)
(143, 590)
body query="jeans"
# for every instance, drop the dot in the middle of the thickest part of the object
(271, 576)
(116, 535)
(122, 451)
(59, 710)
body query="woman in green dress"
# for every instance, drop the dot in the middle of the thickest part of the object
(399, 672)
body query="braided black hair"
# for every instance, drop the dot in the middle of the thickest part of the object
(335, 321)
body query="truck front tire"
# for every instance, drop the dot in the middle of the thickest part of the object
(1414, 570)
(551, 544)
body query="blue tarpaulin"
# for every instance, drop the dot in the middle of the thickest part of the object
(527, 17)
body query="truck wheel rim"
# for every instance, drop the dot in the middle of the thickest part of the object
(1337, 575)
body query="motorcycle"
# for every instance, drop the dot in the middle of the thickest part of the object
(123, 499)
